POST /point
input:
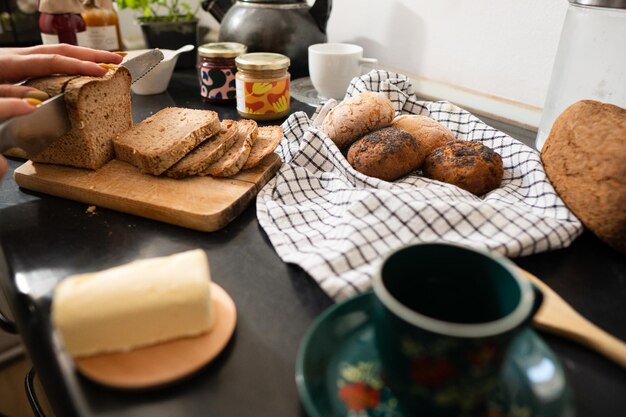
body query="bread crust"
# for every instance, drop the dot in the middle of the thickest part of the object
(471, 166)
(388, 153)
(428, 132)
(356, 116)
(583, 157)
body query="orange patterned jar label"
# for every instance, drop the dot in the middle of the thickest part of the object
(263, 97)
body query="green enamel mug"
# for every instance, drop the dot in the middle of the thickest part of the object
(444, 315)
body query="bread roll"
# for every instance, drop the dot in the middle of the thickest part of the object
(388, 154)
(585, 159)
(471, 166)
(356, 116)
(428, 132)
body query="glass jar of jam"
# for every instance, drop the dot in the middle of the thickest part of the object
(60, 22)
(103, 29)
(263, 86)
(218, 69)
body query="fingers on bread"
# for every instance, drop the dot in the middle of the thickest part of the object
(381, 146)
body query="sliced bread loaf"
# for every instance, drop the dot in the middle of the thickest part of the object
(164, 138)
(267, 139)
(52, 85)
(206, 153)
(235, 158)
(98, 109)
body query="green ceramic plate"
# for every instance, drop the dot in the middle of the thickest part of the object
(338, 372)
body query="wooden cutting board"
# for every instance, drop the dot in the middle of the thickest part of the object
(201, 203)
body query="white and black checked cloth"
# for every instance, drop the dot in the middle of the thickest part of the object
(337, 223)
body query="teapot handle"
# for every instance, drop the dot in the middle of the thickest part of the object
(320, 11)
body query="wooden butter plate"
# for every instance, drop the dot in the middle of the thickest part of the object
(167, 362)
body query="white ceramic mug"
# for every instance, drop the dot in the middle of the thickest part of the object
(333, 65)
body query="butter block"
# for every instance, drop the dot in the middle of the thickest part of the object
(138, 304)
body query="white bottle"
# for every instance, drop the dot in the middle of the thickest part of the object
(590, 62)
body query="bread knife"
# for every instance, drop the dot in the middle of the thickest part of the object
(35, 131)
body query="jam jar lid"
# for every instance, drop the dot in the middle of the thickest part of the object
(222, 49)
(262, 61)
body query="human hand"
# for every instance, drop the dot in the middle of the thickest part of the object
(18, 100)
(18, 64)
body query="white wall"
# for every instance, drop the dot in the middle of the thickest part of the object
(502, 48)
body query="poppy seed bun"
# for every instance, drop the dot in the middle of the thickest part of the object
(356, 116)
(584, 158)
(471, 166)
(430, 133)
(387, 153)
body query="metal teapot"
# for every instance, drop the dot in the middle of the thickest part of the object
(287, 27)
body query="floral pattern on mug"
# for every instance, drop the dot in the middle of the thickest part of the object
(361, 390)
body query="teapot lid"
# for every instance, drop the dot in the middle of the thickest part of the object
(613, 4)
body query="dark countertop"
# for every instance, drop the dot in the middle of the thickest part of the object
(45, 238)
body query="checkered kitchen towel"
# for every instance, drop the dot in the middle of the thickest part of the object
(337, 223)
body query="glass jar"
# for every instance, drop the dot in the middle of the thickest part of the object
(103, 29)
(60, 22)
(590, 62)
(217, 70)
(263, 86)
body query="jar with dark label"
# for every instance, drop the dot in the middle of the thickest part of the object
(60, 22)
(218, 69)
(263, 86)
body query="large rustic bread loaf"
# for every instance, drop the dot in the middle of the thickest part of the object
(471, 166)
(235, 158)
(162, 139)
(98, 109)
(356, 116)
(428, 132)
(207, 153)
(585, 159)
(387, 153)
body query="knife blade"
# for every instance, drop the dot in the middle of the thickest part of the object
(35, 131)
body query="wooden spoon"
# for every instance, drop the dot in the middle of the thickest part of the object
(557, 316)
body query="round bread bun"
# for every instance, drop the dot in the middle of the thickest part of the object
(584, 157)
(356, 116)
(387, 153)
(430, 133)
(471, 166)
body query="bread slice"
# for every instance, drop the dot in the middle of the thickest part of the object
(206, 153)
(98, 109)
(164, 138)
(234, 159)
(267, 140)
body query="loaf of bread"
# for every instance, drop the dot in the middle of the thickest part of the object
(134, 305)
(428, 132)
(161, 140)
(235, 158)
(387, 153)
(98, 109)
(356, 116)
(585, 159)
(267, 139)
(471, 166)
(207, 153)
